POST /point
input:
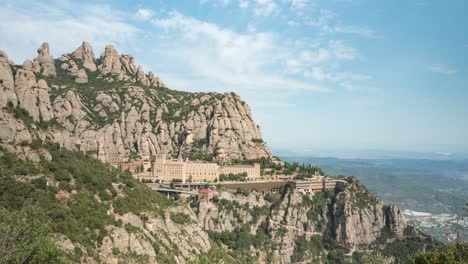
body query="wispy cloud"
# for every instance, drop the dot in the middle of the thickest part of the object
(328, 23)
(190, 52)
(347, 80)
(63, 25)
(144, 13)
(265, 7)
(443, 69)
(243, 3)
(227, 57)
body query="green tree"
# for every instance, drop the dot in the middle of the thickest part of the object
(25, 237)
(454, 254)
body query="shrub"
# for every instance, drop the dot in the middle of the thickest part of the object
(180, 218)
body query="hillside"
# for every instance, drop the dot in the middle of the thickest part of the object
(109, 108)
(97, 213)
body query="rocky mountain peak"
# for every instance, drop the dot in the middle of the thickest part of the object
(110, 61)
(86, 55)
(115, 112)
(44, 62)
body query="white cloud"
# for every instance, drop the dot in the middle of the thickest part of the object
(327, 22)
(144, 14)
(344, 79)
(227, 57)
(298, 4)
(292, 23)
(342, 51)
(61, 24)
(185, 51)
(443, 69)
(243, 3)
(265, 7)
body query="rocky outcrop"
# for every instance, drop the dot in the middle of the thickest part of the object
(26, 91)
(187, 240)
(7, 82)
(359, 219)
(352, 218)
(114, 119)
(110, 62)
(218, 219)
(155, 80)
(81, 77)
(13, 130)
(86, 55)
(291, 220)
(395, 221)
(43, 101)
(44, 62)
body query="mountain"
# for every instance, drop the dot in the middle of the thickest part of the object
(63, 120)
(111, 109)
(96, 213)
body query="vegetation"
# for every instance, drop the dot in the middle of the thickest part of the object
(180, 218)
(239, 241)
(74, 193)
(402, 250)
(216, 255)
(306, 249)
(233, 177)
(456, 254)
(272, 166)
(25, 237)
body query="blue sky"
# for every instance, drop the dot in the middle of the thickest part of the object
(339, 74)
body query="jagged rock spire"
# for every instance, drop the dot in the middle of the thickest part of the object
(110, 61)
(44, 63)
(85, 53)
(7, 83)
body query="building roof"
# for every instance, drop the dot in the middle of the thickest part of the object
(205, 191)
(239, 166)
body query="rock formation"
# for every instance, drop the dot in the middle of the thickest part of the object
(44, 63)
(7, 82)
(353, 218)
(125, 110)
(81, 77)
(85, 53)
(110, 62)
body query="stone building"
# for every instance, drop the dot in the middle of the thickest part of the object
(316, 183)
(134, 167)
(253, 171)
(205, 194)
(167, 170)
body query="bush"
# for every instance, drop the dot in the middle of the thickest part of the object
(25, 237)
(180, 218)
(456, 254)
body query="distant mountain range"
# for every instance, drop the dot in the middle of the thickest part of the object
(369, 154)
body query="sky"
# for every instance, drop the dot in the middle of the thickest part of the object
(334, 74)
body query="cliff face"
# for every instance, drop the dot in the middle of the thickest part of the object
(296, 227)
(112, 109)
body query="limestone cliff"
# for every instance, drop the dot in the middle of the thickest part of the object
(111, 108)
(293, 227)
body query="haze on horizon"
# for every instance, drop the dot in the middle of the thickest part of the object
(340, 74)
